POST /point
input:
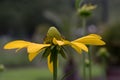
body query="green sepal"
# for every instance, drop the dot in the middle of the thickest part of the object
(62, 52)
(46, 52)
(54, 53)
(52, 47)
(84, 13)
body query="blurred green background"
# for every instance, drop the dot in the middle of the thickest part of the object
(30, 19)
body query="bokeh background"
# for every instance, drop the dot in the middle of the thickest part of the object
(30, 19)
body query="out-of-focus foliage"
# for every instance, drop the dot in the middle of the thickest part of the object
(20, 17)
(26, 74)
(12, 59)
(112, 38)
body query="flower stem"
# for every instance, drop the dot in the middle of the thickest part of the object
(55, 67)
(84, 33)
(104, 68)
(84, 26)
(90, 63)
(84, 67)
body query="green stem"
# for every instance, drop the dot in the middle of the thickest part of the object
(104, 68)
(90, 63)
(84, 26)
(84, 67)
(55, 67)
(84, 33)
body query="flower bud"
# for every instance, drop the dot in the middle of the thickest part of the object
(103, 53)
(87, 63)
(85, 10)
(52, 33)
(2, 67)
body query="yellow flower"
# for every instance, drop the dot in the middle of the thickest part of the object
(53, 41)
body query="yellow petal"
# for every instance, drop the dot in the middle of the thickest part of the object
(34, 49)
(31, 56)
(50, 64)
(95, 36)
(60, 42)
(78, 46)
(17, 44)
(91, 39)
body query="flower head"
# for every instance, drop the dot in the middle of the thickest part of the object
(53, 44)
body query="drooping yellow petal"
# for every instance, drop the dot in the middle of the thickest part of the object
(31, 56)
(78, 46)
(94, 42)
(95, 36)
(91, 39)
(50, 64)
(18, 44)
(60, 42)
(34, 49)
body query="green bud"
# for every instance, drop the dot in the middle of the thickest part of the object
(103, 52)
(52, 33)
(87, 63)
(2, 67)
(86, 10)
